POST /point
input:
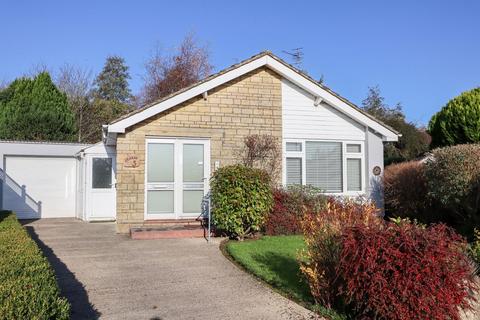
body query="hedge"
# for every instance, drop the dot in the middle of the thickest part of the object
(28, 287)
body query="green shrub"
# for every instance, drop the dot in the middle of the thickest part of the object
(458, 122)
(453, 180)
(241, 199)
(28, 288)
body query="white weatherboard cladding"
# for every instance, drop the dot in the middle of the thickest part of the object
(301, 119)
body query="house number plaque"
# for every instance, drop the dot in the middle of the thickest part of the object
(131, 161)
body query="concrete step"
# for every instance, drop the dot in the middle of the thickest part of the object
(165, 231)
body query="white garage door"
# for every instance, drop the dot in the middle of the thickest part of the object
(40, 187)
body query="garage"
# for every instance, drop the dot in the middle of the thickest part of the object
(39, 179)
(40, 187)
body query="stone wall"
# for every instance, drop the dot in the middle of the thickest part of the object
(247, 105)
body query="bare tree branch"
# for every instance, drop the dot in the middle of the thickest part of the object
(76, 83)
(168, 73)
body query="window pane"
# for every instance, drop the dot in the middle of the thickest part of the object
(160, 201)
(101, 173)
(324, 165)
(354, 175)
(294, 171)
(193, 163)
(354, 148)
(294, 146)
(192, 201)
(160, 162)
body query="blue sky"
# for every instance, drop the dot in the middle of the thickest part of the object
(420, 53)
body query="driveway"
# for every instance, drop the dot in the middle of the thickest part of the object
(110, 276)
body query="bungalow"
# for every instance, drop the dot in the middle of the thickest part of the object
(155, 163)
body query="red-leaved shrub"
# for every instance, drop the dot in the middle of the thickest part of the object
(404, 271)
(289, 205)
(405, 189)
(322, 232)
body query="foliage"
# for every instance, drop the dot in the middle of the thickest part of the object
(98, 113)
(458, 122)
(453, 179)
(405, 271)
(34, 109)
(112, 82)
(474, 248)
(166, 74)
(273, 260)
(91, 111)
(241, 199)
(322, 231)
(413, 142)
(28, 288)
(289, 206)
(405, 190)
(263, 152)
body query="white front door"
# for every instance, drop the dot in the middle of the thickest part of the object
(100, 186)
(177, 172)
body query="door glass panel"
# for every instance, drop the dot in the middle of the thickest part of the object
(192, 201)
(160, 165)
(101, 173)
(193, 163)
(160, 201)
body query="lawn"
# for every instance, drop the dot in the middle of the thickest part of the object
(273, 259)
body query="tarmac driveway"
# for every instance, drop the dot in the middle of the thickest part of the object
(110, 276)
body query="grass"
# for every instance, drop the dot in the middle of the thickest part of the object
(273, 259)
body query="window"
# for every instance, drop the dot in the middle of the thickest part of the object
(354, 175)
(294, 146)
(354, 148)
(332, 166)
(324, 165)
(101, 173)
(294, 171)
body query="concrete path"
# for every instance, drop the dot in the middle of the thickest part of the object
(109, 276)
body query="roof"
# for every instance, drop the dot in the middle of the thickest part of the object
(263, 59)
(46, 142)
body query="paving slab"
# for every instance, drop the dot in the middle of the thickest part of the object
(110, 276)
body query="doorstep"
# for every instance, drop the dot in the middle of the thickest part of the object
(168, 229)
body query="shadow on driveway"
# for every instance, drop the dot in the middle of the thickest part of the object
(70, 287)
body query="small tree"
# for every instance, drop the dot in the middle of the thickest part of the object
(263, 152)
(166, 74)
(34, 109)
(112, 82)
(458, 122)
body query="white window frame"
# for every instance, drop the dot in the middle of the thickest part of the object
(345, 155)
